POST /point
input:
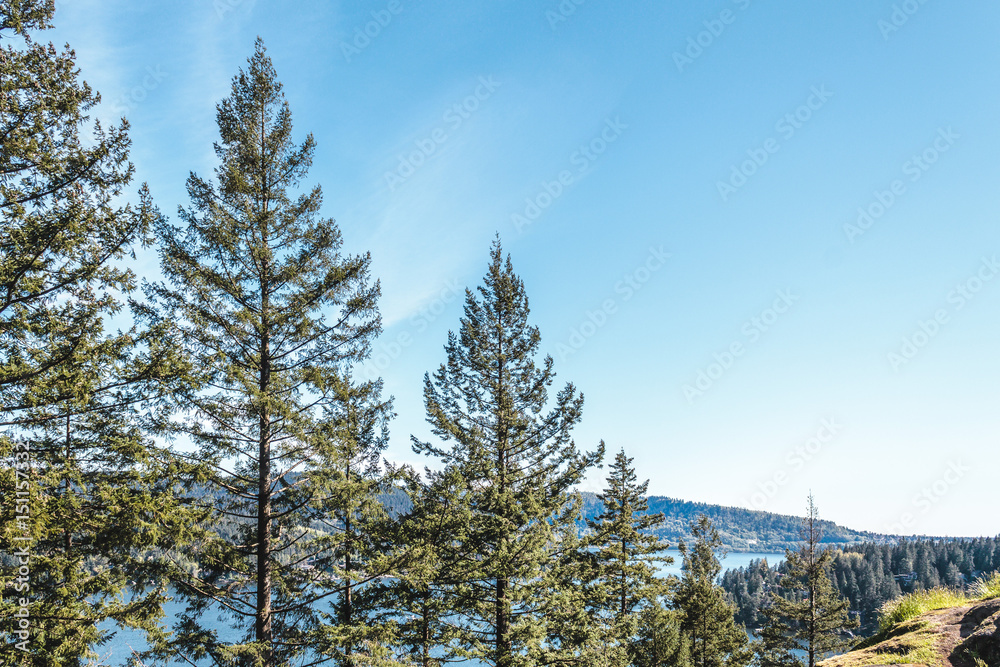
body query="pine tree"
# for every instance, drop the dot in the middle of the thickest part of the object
(419, 598)
(575, 631)
(74, 396)
(272, 314)
(775, 645)
(518, 461)
(708, 618)
(356, 523)
(627, 555)
(101, 499)
(817, 622)
(61, 231)
(660, 641)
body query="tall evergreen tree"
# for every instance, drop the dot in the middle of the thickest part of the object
(272, 314)
(101, 499)
(627, 556)
(716, 640)
(517, 459)
(817, 623)
(73, 394)
(62, 231)
(776, 645)
(576, 631)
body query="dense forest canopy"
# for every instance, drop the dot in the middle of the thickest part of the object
(871, 574)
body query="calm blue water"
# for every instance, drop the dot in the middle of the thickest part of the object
(117, 651)
(732, 561)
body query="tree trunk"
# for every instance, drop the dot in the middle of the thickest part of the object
(621, 613)
(262, 624)
(67, 534)
(347, 615)
(263, 629)
(426, 631)
(504, 657)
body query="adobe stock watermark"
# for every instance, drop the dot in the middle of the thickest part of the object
(583, 158)
(223, 7)
(957, 299)
(795, 460)
(138, 94)
(562, 12)
(900, 15)
(386, 352)
(786, 127)
(626, 288)
(752, 331)
(714, 27)
(363, 35)
(22, 519)
(914, 169)
(453, 118)
(929, 496)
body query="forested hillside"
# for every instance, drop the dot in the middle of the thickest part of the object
(740, 529)
(871, 574)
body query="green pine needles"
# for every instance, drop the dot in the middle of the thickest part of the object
(707, 620)
(75, 396)
(517, 462)
(272, 315)
(815, 618)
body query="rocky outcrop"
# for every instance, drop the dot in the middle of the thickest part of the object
(967, 636)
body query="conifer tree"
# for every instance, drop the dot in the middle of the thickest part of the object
(73, 395)
(419, 598)
(628, 554)
(489, 404)
(357, 526)
(62, 231)
(817, 623)
(576, 632)
(716, 640)
(775, 645)
(272, 314)
(660, 641)
(101, 498)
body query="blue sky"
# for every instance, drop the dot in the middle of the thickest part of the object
(759, 237)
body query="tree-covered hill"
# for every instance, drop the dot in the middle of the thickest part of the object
(740, 529)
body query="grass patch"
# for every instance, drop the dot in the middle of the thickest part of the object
(911, 642)
(913, 605)
(922, 653)
(987, 587)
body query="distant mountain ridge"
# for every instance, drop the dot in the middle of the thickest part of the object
(740, 529)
